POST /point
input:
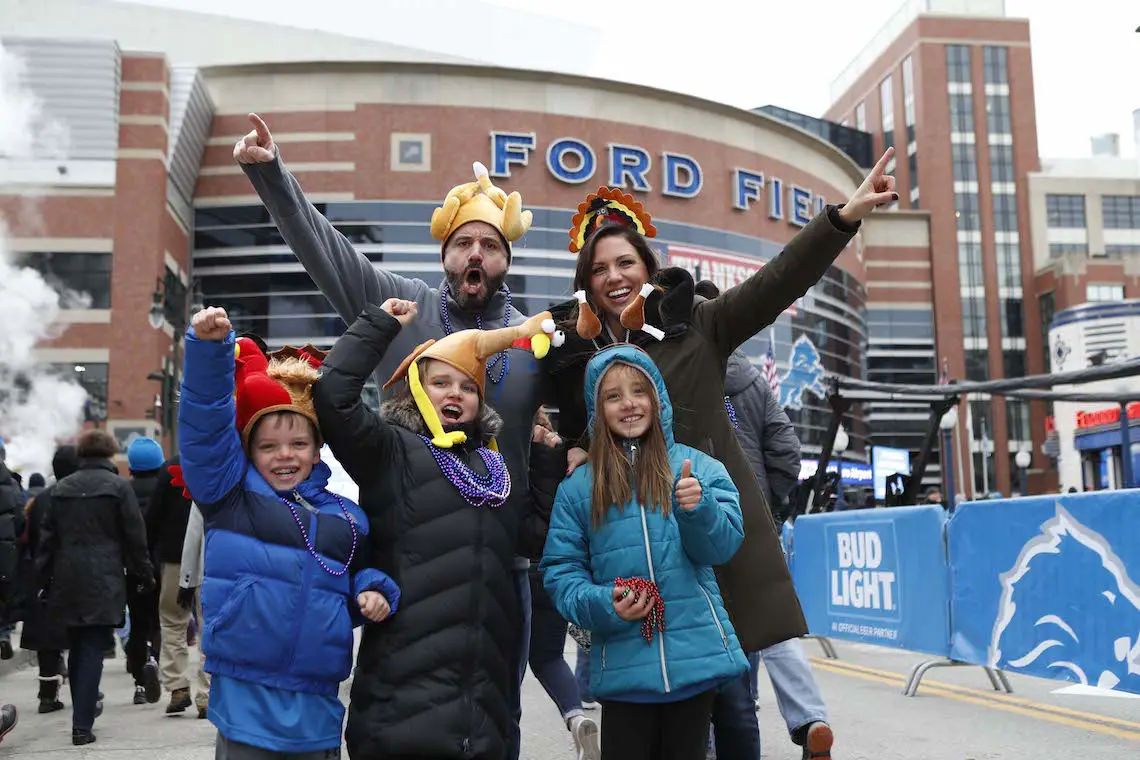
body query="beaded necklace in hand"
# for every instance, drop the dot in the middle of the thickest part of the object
(490, 490)
(309, 544)
(502, 358)
(655, 620)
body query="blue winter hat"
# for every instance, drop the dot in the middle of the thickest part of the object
(144, 455)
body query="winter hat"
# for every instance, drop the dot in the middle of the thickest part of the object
(468, 351)
(144, 455)
(65, 462)
(280, 382)
(608, 206)
(480, 201)
(36, 481)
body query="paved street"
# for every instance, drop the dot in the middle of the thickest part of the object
(955, 717)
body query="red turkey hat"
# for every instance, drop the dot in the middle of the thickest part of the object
(280, 382)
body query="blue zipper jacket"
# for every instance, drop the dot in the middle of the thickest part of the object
(273, 615)
(698, 649)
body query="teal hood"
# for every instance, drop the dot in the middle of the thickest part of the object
(627, 353)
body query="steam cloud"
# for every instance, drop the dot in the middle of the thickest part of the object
(38, 408)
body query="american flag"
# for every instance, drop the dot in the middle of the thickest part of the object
(768, 368)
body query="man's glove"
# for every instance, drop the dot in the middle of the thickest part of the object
(186, 597)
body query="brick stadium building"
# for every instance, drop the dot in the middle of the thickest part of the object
(148, 193)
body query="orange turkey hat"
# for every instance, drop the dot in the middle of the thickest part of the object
(468, 352)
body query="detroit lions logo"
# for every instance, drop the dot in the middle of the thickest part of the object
(805, 372)
(1069, 609)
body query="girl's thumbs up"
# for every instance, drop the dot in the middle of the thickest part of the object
(688, 490)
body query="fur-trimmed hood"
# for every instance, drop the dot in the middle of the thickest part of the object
(400, 410)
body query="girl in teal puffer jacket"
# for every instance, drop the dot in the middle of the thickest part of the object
(633, 539)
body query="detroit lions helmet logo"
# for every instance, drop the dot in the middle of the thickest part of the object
(805, 372)
(1068, 609)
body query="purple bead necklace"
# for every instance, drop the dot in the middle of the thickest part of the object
(490, 490)
(502, 356)
(728, 407)
(309, 544)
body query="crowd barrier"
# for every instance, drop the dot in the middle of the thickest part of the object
(1038, 585)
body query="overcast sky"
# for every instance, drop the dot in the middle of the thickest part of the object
(747, 53)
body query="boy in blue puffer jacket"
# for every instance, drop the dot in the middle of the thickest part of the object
(286, 576)
(633, 539)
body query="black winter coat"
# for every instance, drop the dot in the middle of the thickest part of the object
(434, 679)
(92, 534)
(41, 631)
(11, 526)
(167, 516)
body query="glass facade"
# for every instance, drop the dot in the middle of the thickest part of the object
(1121, 212)
(242, 264)
(856, 143)
(1065, 211)
(84, 279)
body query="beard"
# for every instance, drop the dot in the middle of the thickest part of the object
(460, 285)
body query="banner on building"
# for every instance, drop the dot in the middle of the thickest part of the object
(723, 269)
(1048, 586)
(878, 576)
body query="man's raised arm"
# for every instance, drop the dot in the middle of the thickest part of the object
(347, 278)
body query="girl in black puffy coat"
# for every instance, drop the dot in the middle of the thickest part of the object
(434, 681)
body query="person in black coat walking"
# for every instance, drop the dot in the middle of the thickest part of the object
(42, 633)
(11, 526)
(92, 535)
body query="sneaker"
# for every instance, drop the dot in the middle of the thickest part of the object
(9, 717)
(179, 701)
(589, 704)
(586, 739)
(140, 695)
(818, 741)
(80, 737)
(202, 713)
(151, 687)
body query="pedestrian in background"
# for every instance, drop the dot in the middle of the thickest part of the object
(93, 537)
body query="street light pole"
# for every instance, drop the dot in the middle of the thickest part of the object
(948, 422)
(1023, 459)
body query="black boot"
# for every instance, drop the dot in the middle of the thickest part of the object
(49, 694)
(80, 736)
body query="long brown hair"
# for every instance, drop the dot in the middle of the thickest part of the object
(585, 264)
(612, 470)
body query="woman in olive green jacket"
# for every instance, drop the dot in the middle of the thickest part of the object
(614, 262)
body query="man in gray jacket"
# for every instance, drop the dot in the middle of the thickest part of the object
(769, 439)
(475, 256)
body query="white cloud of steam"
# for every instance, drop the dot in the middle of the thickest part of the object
(38, 408)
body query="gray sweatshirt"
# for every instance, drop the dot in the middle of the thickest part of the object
(349, 281)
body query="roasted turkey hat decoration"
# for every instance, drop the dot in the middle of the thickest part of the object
(281, 381)
(481, 201)
(468, 351)
(605, 207)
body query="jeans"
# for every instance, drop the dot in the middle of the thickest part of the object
(85, 670)
(224, 749)
(582, 675)
(657, 730)
(735, 728)
(797, 693)
(547, 654)
(522, 588)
